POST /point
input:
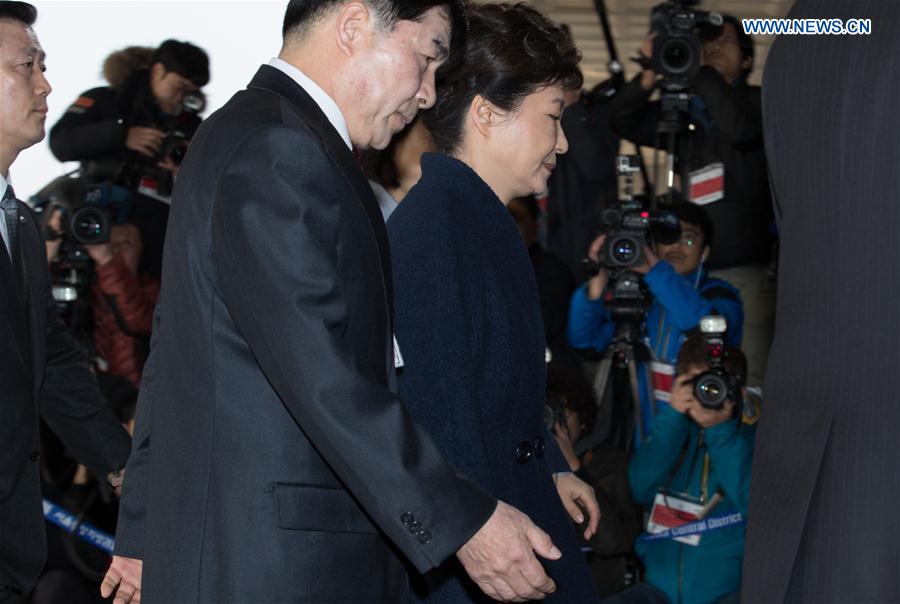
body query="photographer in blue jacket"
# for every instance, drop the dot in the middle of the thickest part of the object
(681, 293)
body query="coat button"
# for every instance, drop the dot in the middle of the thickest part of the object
(539, 447)
(406, 518)
(524, 451)
(425, 538)
(415, 528)
(35, 455)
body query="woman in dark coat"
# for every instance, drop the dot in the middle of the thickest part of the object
(468, 318)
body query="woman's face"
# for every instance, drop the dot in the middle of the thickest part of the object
(526, 143)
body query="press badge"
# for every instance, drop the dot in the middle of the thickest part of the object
(671, 510)
(663, 377)
(398, 358)
(150, 187)
(707, 184)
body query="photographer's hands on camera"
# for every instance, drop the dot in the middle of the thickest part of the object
(683, 401)
(148, 141)
(597, 284)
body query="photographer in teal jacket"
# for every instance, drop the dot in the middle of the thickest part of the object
(701, 454)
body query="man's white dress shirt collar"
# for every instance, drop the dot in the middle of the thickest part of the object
(321, 98)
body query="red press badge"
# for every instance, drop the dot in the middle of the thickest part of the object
(708, 184)
(663, 376)
(671, 510)
(148, 186)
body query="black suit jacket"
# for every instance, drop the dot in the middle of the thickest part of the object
(823, 523)
(272, 463)
(44, 374)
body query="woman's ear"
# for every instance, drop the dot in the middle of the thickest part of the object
(484, 115)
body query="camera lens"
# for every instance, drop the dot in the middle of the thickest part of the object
(90, 226)
(624, 250)
(710, 390)
(677, 56)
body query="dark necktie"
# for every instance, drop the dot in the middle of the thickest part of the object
(10, 208)
(11, 216)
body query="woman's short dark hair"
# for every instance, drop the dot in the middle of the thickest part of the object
(510, 51)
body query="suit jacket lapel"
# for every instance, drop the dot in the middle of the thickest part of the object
(275, 81)
(14, 315)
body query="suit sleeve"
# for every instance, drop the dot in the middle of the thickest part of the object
(132, 504)
(70, 399)
(91, 128)
(279, 230)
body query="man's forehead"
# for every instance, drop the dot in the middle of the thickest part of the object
(19, 37)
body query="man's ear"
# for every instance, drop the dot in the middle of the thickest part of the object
(354, 25)
(747, 63)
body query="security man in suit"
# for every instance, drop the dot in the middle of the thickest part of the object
(272, 461)
(44, 371)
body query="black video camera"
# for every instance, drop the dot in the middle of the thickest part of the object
(88, 209)
(715, 385)
(181, 128)
(630, 227)
(676, 48)
(88, 212)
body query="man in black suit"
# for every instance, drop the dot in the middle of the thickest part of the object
(272, 462)
(822, 522)
(43, 372)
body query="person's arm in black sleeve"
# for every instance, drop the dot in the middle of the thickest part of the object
(70, 399)
(633, 116)
(737, 114)
(389, 464)
(90, 128)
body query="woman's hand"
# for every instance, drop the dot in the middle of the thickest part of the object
(574, 491)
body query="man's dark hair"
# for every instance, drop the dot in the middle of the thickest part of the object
(22, 12)
(696, 215)
(510, 51)
(300, 14)
(693, 353)
(708, 33)
(185, 59)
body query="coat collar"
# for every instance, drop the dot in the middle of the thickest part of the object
(272, 80)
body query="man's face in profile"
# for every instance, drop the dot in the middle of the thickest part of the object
(23, 87)
(399, 67)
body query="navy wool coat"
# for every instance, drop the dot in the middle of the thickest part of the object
(468, 325)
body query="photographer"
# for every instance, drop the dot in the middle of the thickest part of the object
(571, 402)
(121, 300)
(724, 136)
(682, 294)
(135, 131)
(698, 458)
